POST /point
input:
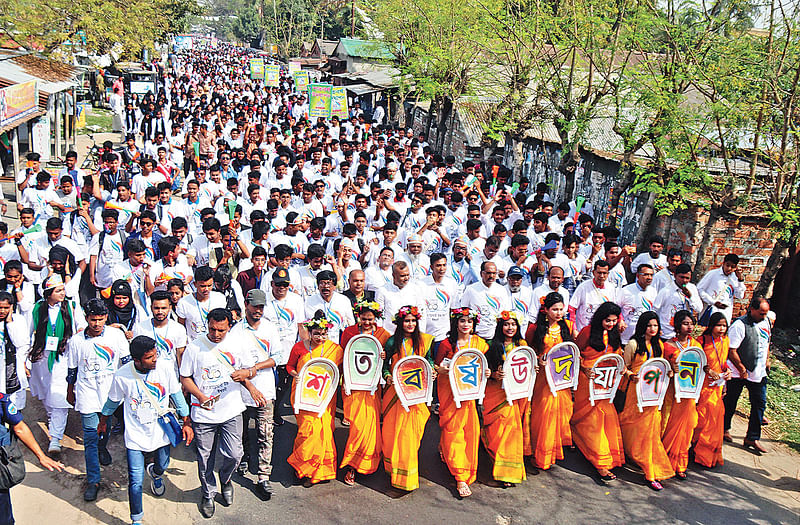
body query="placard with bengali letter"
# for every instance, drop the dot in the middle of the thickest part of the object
(362, 363)
(689, 377)
(653, 383)
(561, 367)
(316, 385)
(468, 375)
(519, 373)
(606, 375)
(412, 378)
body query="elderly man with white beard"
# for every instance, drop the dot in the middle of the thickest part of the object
(414, 256)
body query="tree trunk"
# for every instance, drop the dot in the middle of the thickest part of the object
(568, 166)
(646, 223)
(700, 268)
(780, 252)
(443, 115)
(517, 155)
(621, 185)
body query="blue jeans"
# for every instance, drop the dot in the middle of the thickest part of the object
(136, 476)
(758, 403)
(6, 516)
(92, 442)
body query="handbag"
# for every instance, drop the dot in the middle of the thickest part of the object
(705, 317)
(12, 464)
(166, 418)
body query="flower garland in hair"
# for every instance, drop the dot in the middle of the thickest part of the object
(368, 306)
(456, 313)
(407, 310)
(317, 323)
(505, 315)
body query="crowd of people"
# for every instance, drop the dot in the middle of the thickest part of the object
(174, 294)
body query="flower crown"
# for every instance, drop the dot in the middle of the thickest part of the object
(317, 323)
(368, 306)
(407, 310)
(455, 313)
(505, 315)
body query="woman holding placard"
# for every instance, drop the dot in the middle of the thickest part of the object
(595, 427)
(502, 433)
(458, 443)
(403, 429)
(710, 410)
(314, 454)
(549, 415)
(641, 428)
(682, 419)
(362, 408)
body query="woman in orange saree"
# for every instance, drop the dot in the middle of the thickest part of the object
(641, 430)
(402, 430)
(362, 452)
(549, 427)
(460, 426)
(502, 433)
(595, 429)
(708, 433)
(314, 454)
(682, 419)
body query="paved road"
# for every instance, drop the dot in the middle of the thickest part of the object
(746, 490)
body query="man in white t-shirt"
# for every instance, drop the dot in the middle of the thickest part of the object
(104, 258)
(590, 294)
(488, 298)
(212, 370)
(93, 357)
(749, 338)
(145, 387)
(720, 287)
(654, 256)
(335, 306)
(441, 294)
(679, 295)
(400, 292)
(636, 299)
(169, 335)
(553, 283)
(193, 309)
(260, 340)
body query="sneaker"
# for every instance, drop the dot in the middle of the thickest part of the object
(156, 482)
(54, 448)
(105, 456)
(265, 489)
(207, 507)
(90, 494)
(243, 466)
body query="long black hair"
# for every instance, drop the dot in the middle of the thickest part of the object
(40, 333)
(641, 340)
(596, 329)
(713, 321)
(415, 336)
(494, 355)
(452, 335)
(678, 318)
(542, 325)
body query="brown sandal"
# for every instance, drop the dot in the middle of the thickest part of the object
(350, 477)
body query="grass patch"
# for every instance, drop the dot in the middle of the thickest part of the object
(100, 118)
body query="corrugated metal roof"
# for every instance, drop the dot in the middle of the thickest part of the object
(16, 68)
(365, 49)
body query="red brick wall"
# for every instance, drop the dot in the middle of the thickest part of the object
(748, 238)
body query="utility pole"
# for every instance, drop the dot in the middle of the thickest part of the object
(352, 18)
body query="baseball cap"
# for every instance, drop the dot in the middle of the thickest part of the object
(280, 276)
(515, 271)
(256, 297)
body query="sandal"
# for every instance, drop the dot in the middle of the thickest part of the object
(607, 477)
(350, 477)
(655, 485)
(681, 475)
(463, 489)
(507, 485)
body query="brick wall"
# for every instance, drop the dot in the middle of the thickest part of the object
(749, 238)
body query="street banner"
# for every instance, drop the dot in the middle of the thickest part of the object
(339, 102)
(690, 375)
(519, 373)
(272, 75)
(319, 100)
(606, 375)
(301, 81)
(653, 383)
(316, 385)
(412, 378)
(257, 68)
(362, 363)
(294, 67)
(561, 367)
(468, 375)
(17, 101)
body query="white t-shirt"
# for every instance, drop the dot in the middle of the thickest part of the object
(339, 311)
(524, 303)
(211, 365)
(97, 359)
(284, 314)
(142, 431)
(736, 336)
(670, 301)
(634, 302)
(587, 297)
(40, 201)
(196, 313)
(140, 183)
(658, 264)
(489, 302)
(169, 338)
(439, 299)
(258, 345)
(108, 256)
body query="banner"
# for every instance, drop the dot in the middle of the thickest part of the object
(316, 385)
(257, 68)
(272, 76)
(17, 102)
(412, 378)
(561, 367)
(41, 139)
(651, 388)
(362, 363)
(294, 67)
(519, 373)
(690, 375)
(339, 103)
(606, 375)
(319, 100)
(468, 375)
(301, 81)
